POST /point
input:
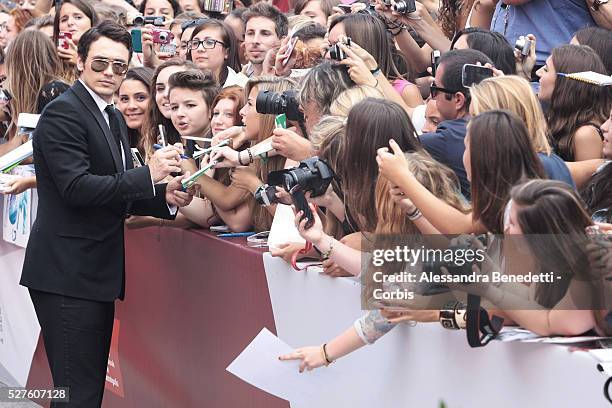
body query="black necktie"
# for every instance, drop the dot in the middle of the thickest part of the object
(113, 123)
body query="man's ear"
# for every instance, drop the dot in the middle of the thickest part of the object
(460, 101)
(80, 64)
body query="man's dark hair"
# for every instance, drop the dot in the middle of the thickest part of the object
(453, 62)
(108, 29)
(494, 45)
(195, 80)
(311, 31)
(238, 12)
(271, 13)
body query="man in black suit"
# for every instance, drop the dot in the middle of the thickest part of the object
(74, 264)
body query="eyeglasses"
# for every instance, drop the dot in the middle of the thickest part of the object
(99, 65)
(208, 44)
(434, 90)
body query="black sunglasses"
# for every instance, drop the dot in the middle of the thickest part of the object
(118, 67)
(434, 90)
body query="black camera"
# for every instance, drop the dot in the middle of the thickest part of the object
(387, 3)
(142, 20)
(454, 267)
(523, 44)
(312, 175)
(269, 102)
(336, 53)
(405, 7)
(266, 195)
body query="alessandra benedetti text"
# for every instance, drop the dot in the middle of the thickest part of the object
(493, 277)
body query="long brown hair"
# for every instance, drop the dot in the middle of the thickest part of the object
(69, 71)
(229, 43)
(367, 130)
(501, 156)
(574, 103)
(154, 117)
(371, 34)
(236, 95)
(262, 219)
(553, 220)
(328, 138)
(34, 50)
(393, 225)
(143, 75)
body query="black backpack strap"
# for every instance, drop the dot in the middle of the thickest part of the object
(480, 329)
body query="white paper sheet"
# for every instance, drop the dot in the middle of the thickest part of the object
(16, 156)
(258, 364)
(283, 227)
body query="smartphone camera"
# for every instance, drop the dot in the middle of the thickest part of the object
(62, 39)
(435, 61)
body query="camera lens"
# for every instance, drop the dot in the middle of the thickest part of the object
(403, 7)
(336, 53)
(163, 36)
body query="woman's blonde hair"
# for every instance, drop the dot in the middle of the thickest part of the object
(262, 219)
(328, 126)
(342, 105)
(393, 226)
(34, 50)
(513, 93)
(434, 176)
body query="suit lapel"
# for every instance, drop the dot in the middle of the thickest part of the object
(89, 103)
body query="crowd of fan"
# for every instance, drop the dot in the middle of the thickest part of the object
(379, 96)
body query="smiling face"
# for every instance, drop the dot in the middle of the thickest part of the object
(74, 21)
(104, 83)
(548, 77)
(213, 58)
(133, 102)
(250, 117)
(260, 36)
(161, 89)
(189, 112)
(223, 116)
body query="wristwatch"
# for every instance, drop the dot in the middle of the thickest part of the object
(597, 4)
(447, 316)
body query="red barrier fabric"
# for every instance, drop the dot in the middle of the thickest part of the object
(193, 303)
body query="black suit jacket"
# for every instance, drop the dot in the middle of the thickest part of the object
(76, 245)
